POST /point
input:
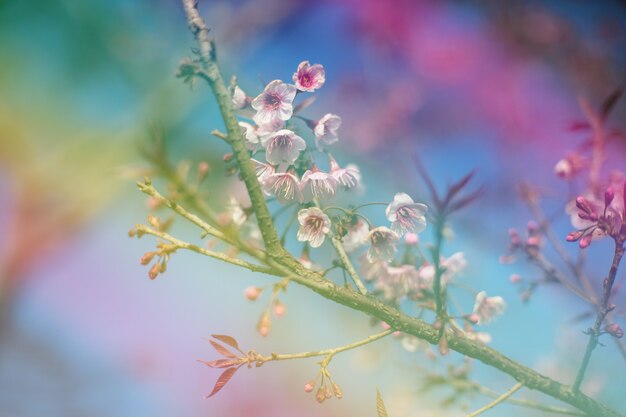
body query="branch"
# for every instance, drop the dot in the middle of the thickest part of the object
(195, 248)
(348, 265)
(604, 309)
(497, 401)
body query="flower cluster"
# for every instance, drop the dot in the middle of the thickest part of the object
(289, 171)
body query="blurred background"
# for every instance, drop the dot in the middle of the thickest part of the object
(485, 85)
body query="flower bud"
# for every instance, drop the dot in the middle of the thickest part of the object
(132, 233)
(411, 239)
(443, 346)
(563, 169)
(614, 330)
(574, 236)
(154, 271)
(328, 393)
(515, 279)
(337, 391)
(252, 293)
(308, 387)
(320, 396)
(473, 318)
(227, 157)
(147, 258)
(609, 195)
(162, 266)
(585, 241)
(279, 309)
(265, 324)
(154, 221)
(583, 204)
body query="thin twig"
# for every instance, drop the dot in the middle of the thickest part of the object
(343, 256)
(497, 401)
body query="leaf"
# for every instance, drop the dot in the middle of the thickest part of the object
(222, 380)
(220, 363)
(380, 405)
(230, 341)
(222, 350)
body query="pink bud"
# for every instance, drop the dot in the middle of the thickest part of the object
(320, 396)
(585, 241)
(583, 204)
(308, 387)
(154, 271)
(563, 168)
(411, 239)
(443, 347)
(574, 236)
(279, 309)
(252, 293)
(385, 326)
(609, 194)
(615, 330)
(533, 241)
(147, 258)
(532, 226)
(473, 318)
(515, 279)
(227, 157)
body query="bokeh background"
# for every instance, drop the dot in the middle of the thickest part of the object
(481, 84)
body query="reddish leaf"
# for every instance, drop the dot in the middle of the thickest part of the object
(222, 350)
(220, 363)
(222, 380)
(230, 341)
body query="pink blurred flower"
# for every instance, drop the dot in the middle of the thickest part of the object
(314, 225)
(325, 130)
(285, 186)
(356, 236)
(348, 177)
(317, 185)
(382, 244)
(486, 308)
(406, 215)
(283, 147)
(275, 103)
(309, 77)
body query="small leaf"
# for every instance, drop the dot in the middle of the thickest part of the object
(230, 341)
(222, 380)
(222, 350)
(380, 405)
(220, 363)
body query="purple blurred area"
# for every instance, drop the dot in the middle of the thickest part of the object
(492, 86)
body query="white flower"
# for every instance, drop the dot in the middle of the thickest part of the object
(251, 136)
(285, 186)
(356, 236)
(274, 103)
(309, 77)
(325, 130)
(283, 147)
(348, 177)
(486, 308)
(317, 185)
(269, 128)
(382, 244)
(314, 225)
(239, 98)
(406, 215)
(236, 213)
(262, 170)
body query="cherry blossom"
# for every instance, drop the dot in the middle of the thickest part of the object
(263, 170)
(382, 244)
(348, 177)
(309, 77)
(317, 185)
(314, 225)
(251, 136)
(486, 308)
(325, 130)
(239, 98)
(283, 147)
(356, 236)
(406, 215)
(285, 186)
(275, 103)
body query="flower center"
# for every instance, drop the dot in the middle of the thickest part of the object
(272, 100)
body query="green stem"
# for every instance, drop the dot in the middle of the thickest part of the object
(343, 256)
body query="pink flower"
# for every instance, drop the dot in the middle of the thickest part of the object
(314, 225)
(382, 244)
(317, 185)
(486, 308)
(262, 170)
(269, 128)
(285, 186)
(309, 77)
(406, 215)
(251, 136)
(348, 177)
(283, 147)
(397, 281)
(239, 98)
(275, 103)
(356, 236)
(325, 130)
